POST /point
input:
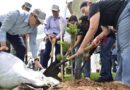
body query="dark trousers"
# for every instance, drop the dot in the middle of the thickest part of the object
(46, 53)
(41, 55)
(105, 55)
(18, 45)
(114, 62)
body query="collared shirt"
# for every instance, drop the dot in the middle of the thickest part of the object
(53, 26)
(16, 23)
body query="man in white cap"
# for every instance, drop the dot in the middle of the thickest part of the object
(26, 6)
(17, 23)
(52, 30)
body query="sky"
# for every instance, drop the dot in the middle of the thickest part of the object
(44, 5)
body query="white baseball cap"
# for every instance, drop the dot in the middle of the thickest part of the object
(55, 8)
(40, 15)
(27, 5)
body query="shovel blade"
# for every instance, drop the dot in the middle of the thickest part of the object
(54, 69)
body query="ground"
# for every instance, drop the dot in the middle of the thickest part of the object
(83, 84)
(89, 85)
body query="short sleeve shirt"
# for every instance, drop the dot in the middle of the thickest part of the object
(110, 11)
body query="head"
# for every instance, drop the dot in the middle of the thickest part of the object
(55, 10)
(84, 7)
(26, 6)
(73, 19)
(36, 18)
(84, 22)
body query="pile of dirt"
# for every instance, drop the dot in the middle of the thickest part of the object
(89, 85)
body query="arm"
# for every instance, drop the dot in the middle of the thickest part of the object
(25, 38)
(33, 44)
(94, 22)
(7, 24)
(79, 38)
(47, 26)
(104, 33)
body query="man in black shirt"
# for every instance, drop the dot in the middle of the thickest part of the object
(114, 13)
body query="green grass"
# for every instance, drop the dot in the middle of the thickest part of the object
(94, 76)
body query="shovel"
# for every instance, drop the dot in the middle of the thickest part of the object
(54, 68)
(52, 49)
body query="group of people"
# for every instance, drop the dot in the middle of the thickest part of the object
(19, 25)
(99, 22)
(106, 14)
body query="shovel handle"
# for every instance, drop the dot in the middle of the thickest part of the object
(64, 61)
(67, 59)
(86, 50)
(72, 57)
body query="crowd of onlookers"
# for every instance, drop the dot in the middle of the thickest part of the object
(103, 24)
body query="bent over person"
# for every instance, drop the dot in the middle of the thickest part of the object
(114, 13)
(17, 23)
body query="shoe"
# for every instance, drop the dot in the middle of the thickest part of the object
(114, 71)
(87, 78)
(104, 80)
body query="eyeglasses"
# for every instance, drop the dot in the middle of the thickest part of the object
(37, 21)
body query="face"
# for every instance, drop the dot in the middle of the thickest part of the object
(72, 22)
(85, 10)
(26, 9)
(33, 20)
(55, 13)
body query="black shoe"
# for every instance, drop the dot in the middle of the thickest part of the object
(114, 71)
(104, 80)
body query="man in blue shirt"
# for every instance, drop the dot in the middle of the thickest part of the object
(17, 23)
(52, 30)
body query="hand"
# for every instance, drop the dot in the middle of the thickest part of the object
(52, 38)
(80, 51)
(53, 41)
(70, 49)
(71, 57)
(86, 56)
(96, 42)
(37, 64)
(4, 48)
(49, 37)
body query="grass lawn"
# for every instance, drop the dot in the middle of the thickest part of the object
(94, 76)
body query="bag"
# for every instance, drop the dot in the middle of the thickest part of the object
(13, 72)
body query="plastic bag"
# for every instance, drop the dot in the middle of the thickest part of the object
(13, 72)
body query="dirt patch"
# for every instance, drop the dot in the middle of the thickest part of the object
(89, 85)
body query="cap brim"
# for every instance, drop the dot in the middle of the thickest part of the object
(55, 10)
(41, 21)
(28, 7)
